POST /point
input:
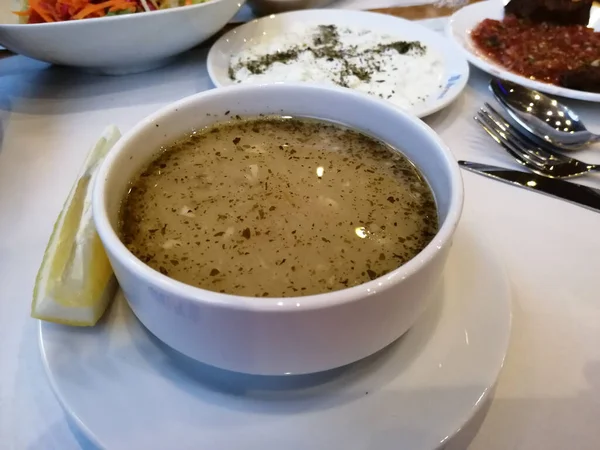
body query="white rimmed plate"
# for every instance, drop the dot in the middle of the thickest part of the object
(127, 390)
(451, 82)
(466, 19)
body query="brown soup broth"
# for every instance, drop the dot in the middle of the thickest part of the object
(277, 207)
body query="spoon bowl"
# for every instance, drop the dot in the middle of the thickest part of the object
(543, 117)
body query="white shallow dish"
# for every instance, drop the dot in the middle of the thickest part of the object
(451, 83)
(462, 23)
(116, 45)
(127, 390)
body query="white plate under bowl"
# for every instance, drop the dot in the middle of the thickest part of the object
(451, 83)
(462, 23)
(127, 390)
(116, 45)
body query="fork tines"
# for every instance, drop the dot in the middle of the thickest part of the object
(525, 151)
(495, 125)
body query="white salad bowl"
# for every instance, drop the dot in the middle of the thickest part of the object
(274, 336)
(118, 44)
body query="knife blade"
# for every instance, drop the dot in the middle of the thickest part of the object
(577, 194)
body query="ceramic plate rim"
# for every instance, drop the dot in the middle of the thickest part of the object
(491, 9)
(494, 266)
(457, 65)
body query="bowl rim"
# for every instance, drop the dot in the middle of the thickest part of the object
(93, 21)
(165, 284)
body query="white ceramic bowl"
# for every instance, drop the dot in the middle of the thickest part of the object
(274, 336)
(119, 44)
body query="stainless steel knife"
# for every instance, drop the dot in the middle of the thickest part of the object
(574, 193)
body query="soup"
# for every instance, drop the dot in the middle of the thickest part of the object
(277, 207)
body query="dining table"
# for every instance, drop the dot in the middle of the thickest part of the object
(548, 393)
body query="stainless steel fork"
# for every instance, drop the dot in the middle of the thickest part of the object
(539, 160)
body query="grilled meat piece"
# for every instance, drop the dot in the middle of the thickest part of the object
(561, 12)
(584, 79)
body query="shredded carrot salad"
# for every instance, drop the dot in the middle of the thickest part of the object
(43, 11)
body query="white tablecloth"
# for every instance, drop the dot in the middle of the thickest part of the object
(548, 396)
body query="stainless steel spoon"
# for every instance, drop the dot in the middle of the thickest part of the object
(542, 116)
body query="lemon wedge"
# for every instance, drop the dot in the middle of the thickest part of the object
(75, 282)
